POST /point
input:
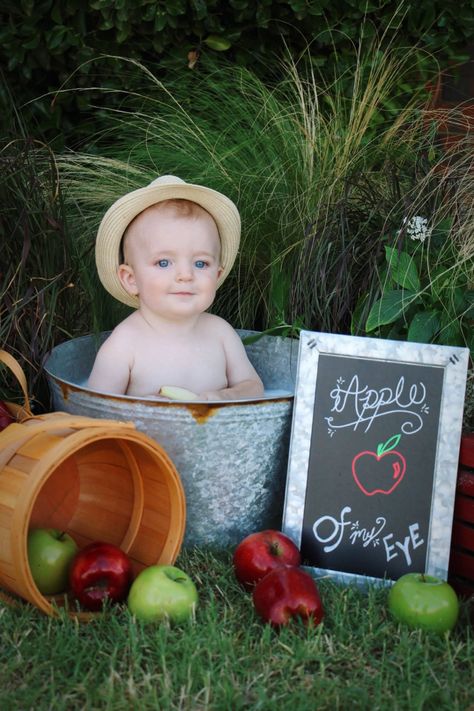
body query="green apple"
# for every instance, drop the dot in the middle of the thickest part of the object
(173, 392)
(424, 601)
(162, 592)
(50, 554)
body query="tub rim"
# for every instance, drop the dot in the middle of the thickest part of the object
(280, 396)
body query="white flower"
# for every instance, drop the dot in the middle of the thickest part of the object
(417, 228)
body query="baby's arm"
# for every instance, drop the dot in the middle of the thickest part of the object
(111, 370)
(243, 380)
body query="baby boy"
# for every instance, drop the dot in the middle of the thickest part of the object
(165, 249)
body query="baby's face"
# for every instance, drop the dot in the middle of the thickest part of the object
(172, 261)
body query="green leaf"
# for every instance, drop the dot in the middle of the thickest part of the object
(56, 36)
(33, 42)
(280, 330)
(391, 443)
(450, 333)
(279, 293)
(56, 15)
(402, 269)
(357, 319)
(161, 21)
(122, 35)
(424, 326)
(440, 284)
(389, 308)
(458, 301)
(217, 43)
(469, 313)
(200, 8)
(441, 231)
(469, 341)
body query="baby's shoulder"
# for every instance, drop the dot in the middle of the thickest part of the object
(217, 329)
(125, 332)
(215, 324)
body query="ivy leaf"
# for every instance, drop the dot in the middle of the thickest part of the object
(402, 269)
(424, 326)
(389, 308)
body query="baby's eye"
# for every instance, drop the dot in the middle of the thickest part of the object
(200, 264)
(163, 263)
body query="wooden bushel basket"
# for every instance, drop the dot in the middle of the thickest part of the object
(95, 479)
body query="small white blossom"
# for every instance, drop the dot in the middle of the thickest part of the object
(417, 228)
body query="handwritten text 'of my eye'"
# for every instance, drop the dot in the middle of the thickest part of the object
(332, 532)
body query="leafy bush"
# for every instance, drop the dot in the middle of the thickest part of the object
(43, 43)
(316, 171)
(426, 280)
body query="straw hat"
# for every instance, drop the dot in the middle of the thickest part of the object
(166, 187)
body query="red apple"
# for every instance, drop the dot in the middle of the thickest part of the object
(100, 572)
(5, 417)
(286, 593)
(379, 472)
(259, 553)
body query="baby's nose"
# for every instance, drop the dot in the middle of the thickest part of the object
(184, 271)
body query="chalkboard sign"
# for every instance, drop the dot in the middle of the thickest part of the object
(373, 456)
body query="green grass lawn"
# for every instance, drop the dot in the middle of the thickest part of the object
(358, 658)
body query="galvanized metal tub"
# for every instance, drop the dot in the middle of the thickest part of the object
(231, 456)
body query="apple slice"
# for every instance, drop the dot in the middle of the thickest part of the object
(173, 392)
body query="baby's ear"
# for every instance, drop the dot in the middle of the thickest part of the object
(219, 271)
(127, 279)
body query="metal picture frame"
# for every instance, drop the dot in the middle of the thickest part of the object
(453, 361)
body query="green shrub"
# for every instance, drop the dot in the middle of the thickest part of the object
(319, 174)
(425, 276)
(43, 43)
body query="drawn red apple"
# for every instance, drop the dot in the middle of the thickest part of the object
(379, 472)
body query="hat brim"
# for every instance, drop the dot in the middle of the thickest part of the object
(125, 209)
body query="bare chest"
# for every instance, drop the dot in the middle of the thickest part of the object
(197, 365)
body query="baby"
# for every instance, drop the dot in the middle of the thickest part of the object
(165, 249)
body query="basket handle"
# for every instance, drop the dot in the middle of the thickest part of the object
(17, 371)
